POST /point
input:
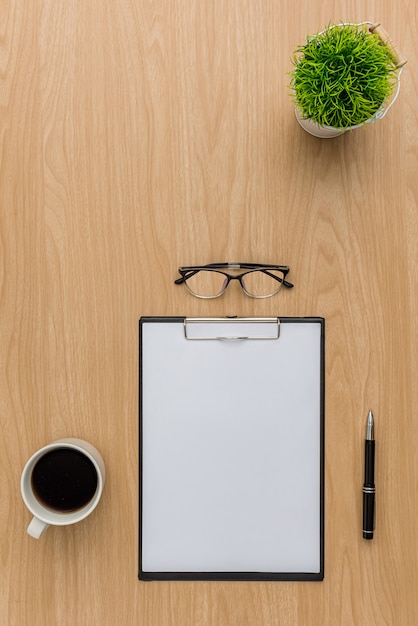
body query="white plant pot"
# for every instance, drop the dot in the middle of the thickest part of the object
(327, 132)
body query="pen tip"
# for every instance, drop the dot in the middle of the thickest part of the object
(370, 426)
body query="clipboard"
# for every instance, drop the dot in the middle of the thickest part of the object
(231, 462)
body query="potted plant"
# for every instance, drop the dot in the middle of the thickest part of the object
(344, 77)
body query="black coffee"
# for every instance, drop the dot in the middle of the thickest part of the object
(64, 480)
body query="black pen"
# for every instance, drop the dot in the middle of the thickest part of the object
(369, 487)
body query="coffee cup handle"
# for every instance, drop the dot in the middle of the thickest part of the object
(37, 528)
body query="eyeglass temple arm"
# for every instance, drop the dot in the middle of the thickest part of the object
(185, 276)
(281, 280)
(287, 284)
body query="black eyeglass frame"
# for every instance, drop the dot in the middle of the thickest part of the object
(188, 271)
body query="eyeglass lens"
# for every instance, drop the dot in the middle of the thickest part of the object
(263, 283)
(257, 283)
(208, 284)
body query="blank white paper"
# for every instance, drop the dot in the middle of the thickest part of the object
(231, 451)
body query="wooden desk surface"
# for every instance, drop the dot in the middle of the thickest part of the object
(139, 136)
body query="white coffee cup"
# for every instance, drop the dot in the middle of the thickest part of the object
(44, 515)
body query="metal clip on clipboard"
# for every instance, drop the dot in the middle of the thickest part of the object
(208, 328)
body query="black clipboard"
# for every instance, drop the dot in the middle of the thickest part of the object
(231, 476)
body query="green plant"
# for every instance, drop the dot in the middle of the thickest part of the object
(342, 76)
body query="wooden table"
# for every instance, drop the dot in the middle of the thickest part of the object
(140, 136)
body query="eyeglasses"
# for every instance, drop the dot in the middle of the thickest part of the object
(210, 281)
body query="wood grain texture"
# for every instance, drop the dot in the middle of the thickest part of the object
(139, 136)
